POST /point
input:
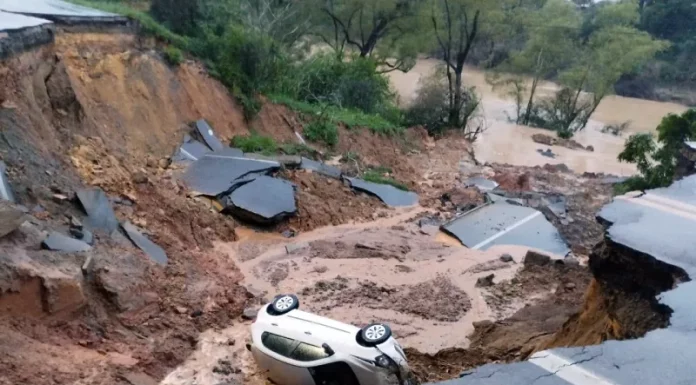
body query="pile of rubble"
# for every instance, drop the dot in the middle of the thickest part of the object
(244, 185)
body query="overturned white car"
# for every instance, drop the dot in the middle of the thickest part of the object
(294, 347)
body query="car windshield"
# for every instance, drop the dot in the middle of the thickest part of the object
(296, 350)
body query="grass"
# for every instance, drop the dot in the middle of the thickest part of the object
(298, 149)
(255, 143)
(321, 130)
(350, 118)
(634, 183)
(374, 176)
(173, 56)
(149, 25)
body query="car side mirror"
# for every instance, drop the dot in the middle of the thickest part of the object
(327, 349)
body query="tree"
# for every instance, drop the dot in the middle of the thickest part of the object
(552, 39)
(657, 162)
(456, 25)
(382, 29)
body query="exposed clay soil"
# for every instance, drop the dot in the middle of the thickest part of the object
(322, 201)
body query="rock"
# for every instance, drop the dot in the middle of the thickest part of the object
(507, 258)
(10, 218)
(225, 368)
(181, 309)
(590, 148)
(59, 198)
(289, 233)
(536, 259)
(63, 294)
(250, 313)
(429, 230)
(294, 247)
(486, 281)
(76, 223)
(544, 139)
(571, 261)
(320, 269)
(137, 378)
(403, 269)
(570, 285)
(139, 177)
(196, 313)
(164, 163)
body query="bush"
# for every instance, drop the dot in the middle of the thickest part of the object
(173, 55)
(322, 130)
(180, 16)
(255, 143)
(431, 107)
(354, 84)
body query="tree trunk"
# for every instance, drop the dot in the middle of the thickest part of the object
(456, 108)
(530, 103)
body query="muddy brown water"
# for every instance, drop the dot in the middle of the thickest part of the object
(505, 142)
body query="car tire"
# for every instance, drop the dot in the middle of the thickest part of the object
(375, 334)
(285, 303)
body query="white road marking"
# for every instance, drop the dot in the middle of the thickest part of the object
(567, 370)
(188, 153)
(507, 230)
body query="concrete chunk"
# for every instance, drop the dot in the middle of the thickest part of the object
(481, 183)
(59, 242)
(390, 195)
(150, 248)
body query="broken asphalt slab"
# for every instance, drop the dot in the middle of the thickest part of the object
(505, 224)
(58, 10)
(390, 195)
(190, 150)
(5, 190)
(59, 242)
(213, 175)
(263, 200)
(206, 133)
(320, 168)
(13, 22)
(100, 214)
(150, 248)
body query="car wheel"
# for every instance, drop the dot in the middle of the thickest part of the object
(284, 303)
(375, 334)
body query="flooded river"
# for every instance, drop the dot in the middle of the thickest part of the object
(506, 142)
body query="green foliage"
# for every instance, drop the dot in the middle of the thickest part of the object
(298, 149)
(354, 84)
(255, 143)
(376, 176)
(322, 130)
(180, 16)
(431, 107)
(173, 55)
(656, 161)
(350, 118)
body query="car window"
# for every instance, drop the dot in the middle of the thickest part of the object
(306, 352)
(278, 344)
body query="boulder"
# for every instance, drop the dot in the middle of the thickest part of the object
(536, 259)
(486, 281)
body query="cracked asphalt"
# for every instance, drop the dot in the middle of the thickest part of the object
(662, 224)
